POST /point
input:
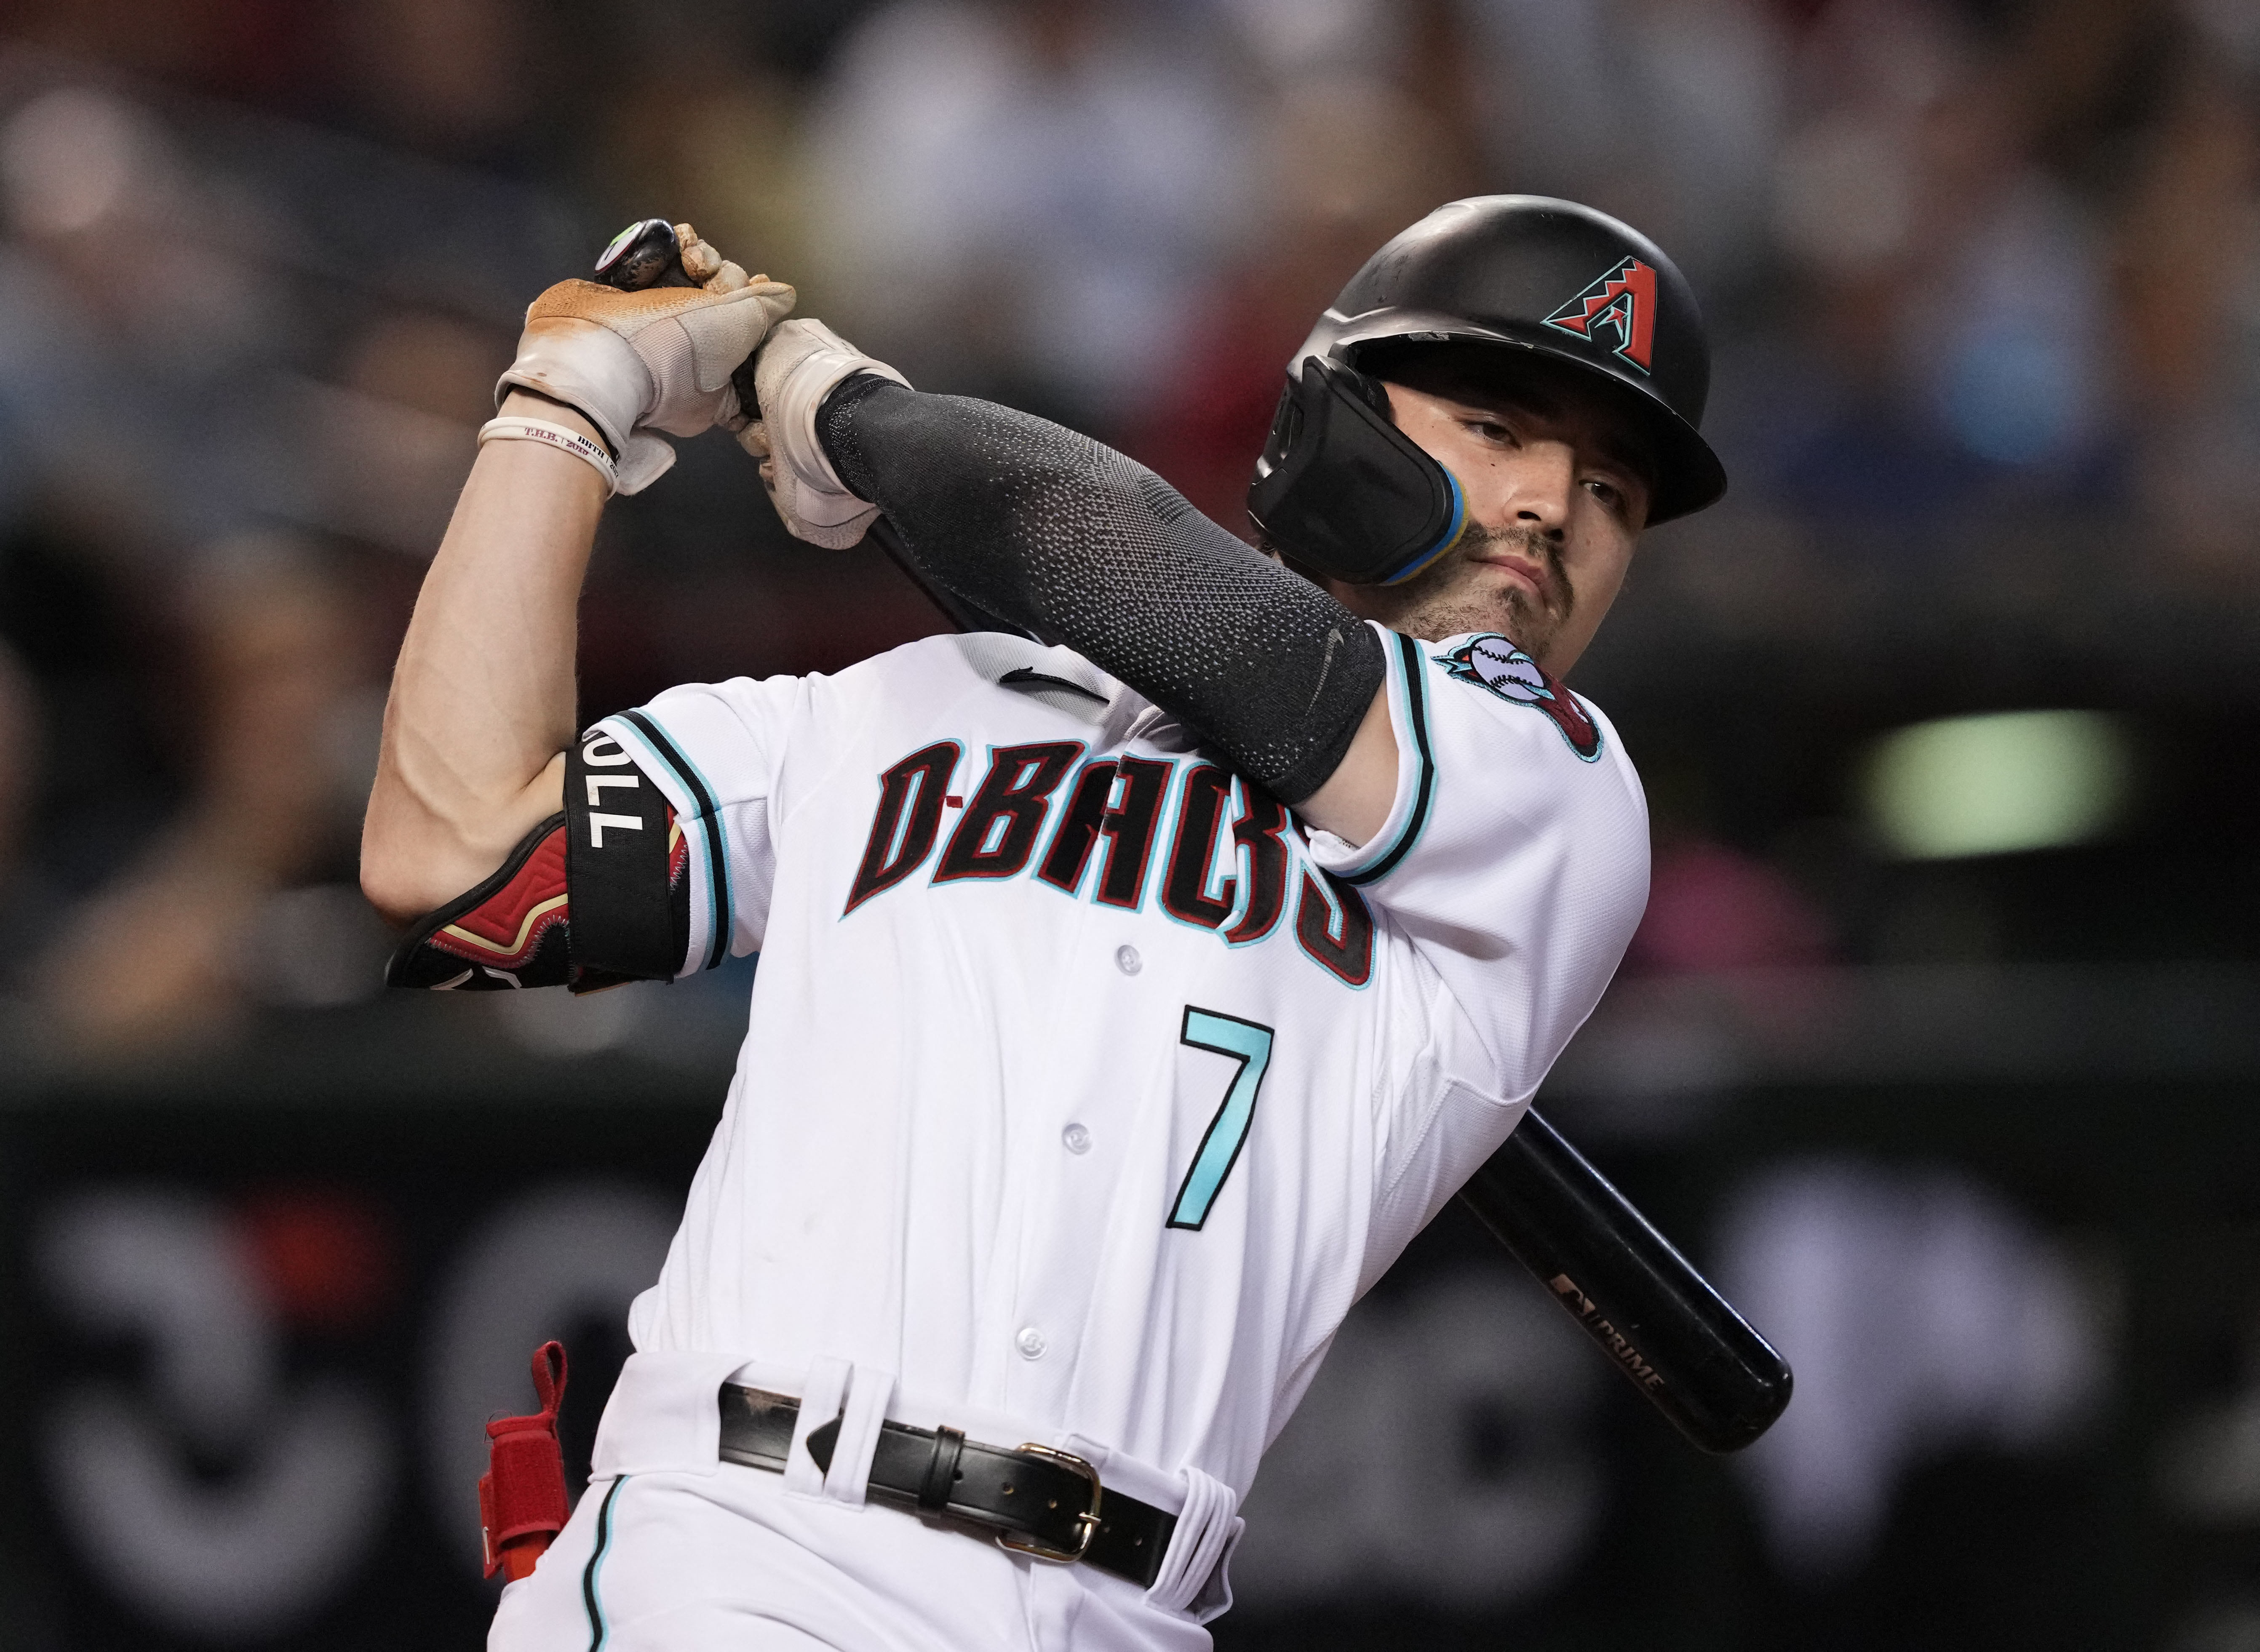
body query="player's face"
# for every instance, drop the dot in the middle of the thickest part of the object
(1556, 494)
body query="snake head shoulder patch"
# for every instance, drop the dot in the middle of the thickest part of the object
(1492, 661)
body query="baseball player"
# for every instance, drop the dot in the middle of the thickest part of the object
(1141, 971)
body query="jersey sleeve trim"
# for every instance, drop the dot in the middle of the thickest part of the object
(1416, 794)
(701, 821)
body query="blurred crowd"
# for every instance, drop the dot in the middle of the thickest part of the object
(1983, 277)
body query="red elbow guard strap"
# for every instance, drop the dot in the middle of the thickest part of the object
(512, 931)
(522, 1494)
(519, 929)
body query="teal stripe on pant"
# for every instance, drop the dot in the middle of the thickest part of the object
(597, 1630)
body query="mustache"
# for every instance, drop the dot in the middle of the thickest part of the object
(1536, 545)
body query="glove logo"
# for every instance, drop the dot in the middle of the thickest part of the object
(1621, 303)
(1492, 661)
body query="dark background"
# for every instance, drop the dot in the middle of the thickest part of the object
(1961, 1114)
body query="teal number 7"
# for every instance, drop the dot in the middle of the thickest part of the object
(1248, 1045)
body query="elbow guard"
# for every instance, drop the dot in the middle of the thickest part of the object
(592, 897)
(512, 931)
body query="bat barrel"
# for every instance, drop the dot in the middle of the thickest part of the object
(1676, 1339)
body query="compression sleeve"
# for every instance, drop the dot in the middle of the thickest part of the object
(1049, 529)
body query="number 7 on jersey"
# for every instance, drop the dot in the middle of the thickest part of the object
(1249, 1046)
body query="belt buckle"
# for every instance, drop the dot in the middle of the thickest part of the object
(1086, 1522)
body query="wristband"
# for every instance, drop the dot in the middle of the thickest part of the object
(556, 436)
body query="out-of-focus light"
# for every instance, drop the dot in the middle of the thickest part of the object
(1844, 195)
(2015, 396)
(66, 160)
(1997, 784)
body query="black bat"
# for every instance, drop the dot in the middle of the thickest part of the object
(1689, 1354)
(1677, 1340)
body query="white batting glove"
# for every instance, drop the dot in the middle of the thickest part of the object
(657, 360)
(794, 373)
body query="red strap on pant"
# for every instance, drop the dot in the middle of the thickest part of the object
(522, 1494)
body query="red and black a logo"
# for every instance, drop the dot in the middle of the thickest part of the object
(1621, 303)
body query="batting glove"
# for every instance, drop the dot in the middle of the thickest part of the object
(795, 371)
(655, 360)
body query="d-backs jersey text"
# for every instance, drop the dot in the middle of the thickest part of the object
(1081, 1085)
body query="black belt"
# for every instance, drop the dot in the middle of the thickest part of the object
(1033, 1500)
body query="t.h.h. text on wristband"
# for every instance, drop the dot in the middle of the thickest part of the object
(557, 436)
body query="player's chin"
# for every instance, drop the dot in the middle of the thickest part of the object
(1504, 602)
(1461, 598)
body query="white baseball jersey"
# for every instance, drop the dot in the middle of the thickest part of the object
(1083, 1093)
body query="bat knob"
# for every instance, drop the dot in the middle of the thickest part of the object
(644, 254)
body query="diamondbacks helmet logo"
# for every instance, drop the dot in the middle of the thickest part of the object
(1622, 302)
(1492, 661)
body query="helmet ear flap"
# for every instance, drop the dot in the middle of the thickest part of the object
(1342, 490)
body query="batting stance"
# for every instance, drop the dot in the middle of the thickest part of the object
(1139, 975)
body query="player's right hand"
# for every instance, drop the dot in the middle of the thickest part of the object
(795, 371)
(655, 360)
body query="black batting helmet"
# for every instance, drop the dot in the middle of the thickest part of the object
(1339, 488)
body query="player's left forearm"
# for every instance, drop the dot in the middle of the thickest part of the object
(1354, 801)
(1052, 531)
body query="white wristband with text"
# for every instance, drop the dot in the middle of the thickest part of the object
(556, 436)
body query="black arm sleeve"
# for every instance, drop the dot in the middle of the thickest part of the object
(1049, 529)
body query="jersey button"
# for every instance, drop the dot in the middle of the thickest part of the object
(1078, 1139)
(1030, 1343)
(1128, 961)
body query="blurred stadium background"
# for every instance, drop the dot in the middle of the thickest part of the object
(1939, 1046)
